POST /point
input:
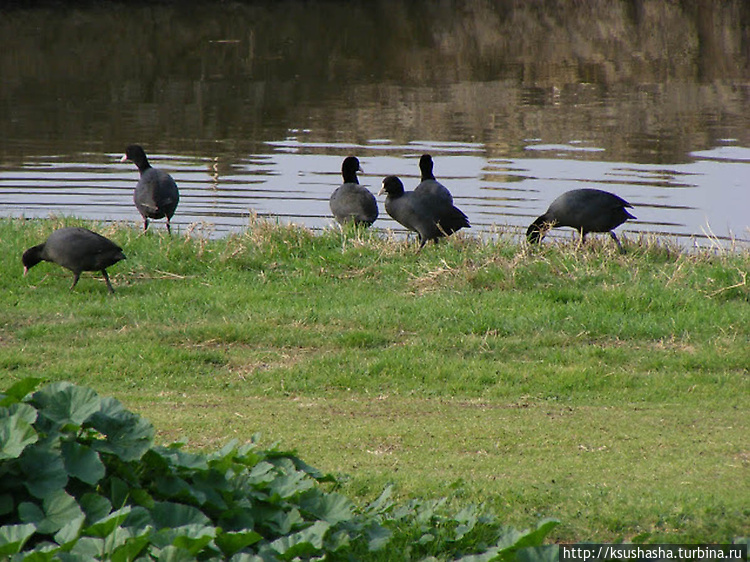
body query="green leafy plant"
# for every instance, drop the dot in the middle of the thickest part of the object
(81, 479)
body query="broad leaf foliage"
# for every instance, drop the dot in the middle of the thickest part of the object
(81, 479)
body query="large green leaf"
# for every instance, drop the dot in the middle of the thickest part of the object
(331, 507)
(183, 459)
(261, 473)
(193, 538)
(25, 411)
(125, 540)
(290, 460)
(168, 514)
(290, 484)
(383, 502)
(467, 519)
(236, 519)
(13, 537)
(129, 549)
(304, 543)
(128, 436)
(95, 507)
(231, 543)
(211, 486)
(537, 536)
(68, 533)
(59, 508)
(44, 470)
(108, 524)
(82, 462)
(511, 540)
(280, 520)
(88, 548)
(16, 433)
(17, 391)
(377, 537)
(117, 491)
(171, 487)
(64, 403)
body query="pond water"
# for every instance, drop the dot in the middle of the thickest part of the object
(253, 106)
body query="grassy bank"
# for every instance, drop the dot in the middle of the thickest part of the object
(607, 390)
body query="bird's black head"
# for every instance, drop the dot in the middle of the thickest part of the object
(425, 166)
(31, 257)
(534, 234)
(349, 169)
(538, 229)
(392, 186)
(137, 155)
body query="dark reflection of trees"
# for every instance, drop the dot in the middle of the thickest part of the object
(649, 80)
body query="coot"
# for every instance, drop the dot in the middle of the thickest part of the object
(156, 195)
(586, 210)
(76, 249)
(351, 202)
(427, 214)
(429, 184)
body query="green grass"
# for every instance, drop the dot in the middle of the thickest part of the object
(607, 390)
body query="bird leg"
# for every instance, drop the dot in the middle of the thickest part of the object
(76, 276)
(614, 237)
(581, 239)
(169, 229)
(106, 278)
(145, 224)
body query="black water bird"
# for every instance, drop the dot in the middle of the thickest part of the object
(156, 195)
(76, 249)
(351, 202)
(427, 214)
(586, 210)
(429, 184)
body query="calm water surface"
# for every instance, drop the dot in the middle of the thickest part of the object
(252, 107)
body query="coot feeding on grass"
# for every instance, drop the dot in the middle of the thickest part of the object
(429, 215)
(76, 249)
(156, 195)
(351, 202)
(586, 210)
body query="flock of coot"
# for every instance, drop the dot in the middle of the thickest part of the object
(428, 211)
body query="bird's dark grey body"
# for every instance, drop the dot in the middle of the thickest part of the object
(351, 202)
(156, 195)
(429, 185)
(586, 210)
(77, 249)
(430, 216)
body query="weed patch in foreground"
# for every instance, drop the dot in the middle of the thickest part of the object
(82, 480)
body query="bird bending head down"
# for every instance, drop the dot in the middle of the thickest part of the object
(586, 210)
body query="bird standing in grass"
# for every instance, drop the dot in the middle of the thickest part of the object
(429, 215)
(76, 249)
(429, 186)
(351, 202)
(156, 195)
(586, 210)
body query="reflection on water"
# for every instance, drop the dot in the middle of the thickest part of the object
(252, 107)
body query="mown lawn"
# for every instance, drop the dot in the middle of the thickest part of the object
(607, 390)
